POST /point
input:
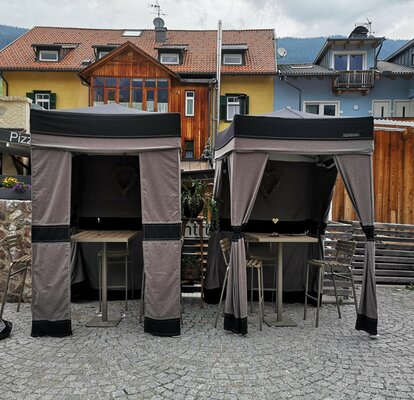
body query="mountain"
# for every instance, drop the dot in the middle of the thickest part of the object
(299, 50)
(8, 34)
(305, 50)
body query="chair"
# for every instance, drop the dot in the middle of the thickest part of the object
(116, 256)
(225, 245)
(342, 264)
(19, 262)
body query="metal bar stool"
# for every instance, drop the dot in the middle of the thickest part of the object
(14, 248)
(345, 251)
(225, 245)
(121, 255)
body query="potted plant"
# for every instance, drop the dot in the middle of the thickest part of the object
(190, 268)
(192, 198)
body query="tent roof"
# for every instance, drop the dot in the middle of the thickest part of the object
(107, 121)
(292, 125)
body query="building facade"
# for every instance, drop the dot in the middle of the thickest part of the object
(347, 79)
(151, 70)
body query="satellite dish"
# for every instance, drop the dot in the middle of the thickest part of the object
(281, 51)
(158, 22)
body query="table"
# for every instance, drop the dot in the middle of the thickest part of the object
(104, 237)
(280, 239)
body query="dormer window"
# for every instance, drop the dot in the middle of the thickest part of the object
(172, 54)
(49, 55)
(170, 58)
(233, 54)
(349, 61)
(232, 59)
(102, 53)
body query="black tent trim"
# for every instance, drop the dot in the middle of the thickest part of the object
(105, 126)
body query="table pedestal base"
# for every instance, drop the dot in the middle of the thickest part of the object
(97, 322)
(286, 321)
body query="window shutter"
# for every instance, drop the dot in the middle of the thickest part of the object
(31, 96)
(244, 104)
(223, 108)
(52, 101)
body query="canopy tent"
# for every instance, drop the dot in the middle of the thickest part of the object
(61, 142)
(284, 165)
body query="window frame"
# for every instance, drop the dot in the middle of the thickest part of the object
(192, 100)
(56, 52)
(348, 63)
(225, 55)
(232, 104)
(162, 55)
(40, 102)
(323, 103)
(190, 148)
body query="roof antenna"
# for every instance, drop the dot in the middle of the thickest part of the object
(157, 8)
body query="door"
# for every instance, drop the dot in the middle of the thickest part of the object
(402, 108)
(381, 108)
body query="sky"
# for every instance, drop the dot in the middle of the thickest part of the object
(299, 18)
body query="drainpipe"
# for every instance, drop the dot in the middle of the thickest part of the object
(5, 81)
(218, 79)
(284, 79)
(377, 54)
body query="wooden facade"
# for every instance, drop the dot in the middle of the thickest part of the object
(393, 166)
(131, 65)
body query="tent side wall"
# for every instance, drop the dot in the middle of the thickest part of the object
(51, 188)
(161, 217)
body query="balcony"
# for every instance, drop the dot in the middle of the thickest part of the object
(354, 81)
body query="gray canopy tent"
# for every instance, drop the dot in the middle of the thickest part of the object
(150, 144)
(284, 165)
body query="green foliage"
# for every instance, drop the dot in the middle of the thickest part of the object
(192, 198)
(410, 286)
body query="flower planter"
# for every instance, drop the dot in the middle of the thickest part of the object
(9, 194)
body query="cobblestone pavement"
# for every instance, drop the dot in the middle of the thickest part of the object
(331, 362)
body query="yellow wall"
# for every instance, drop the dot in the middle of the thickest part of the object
(70, 93)
(259, 88)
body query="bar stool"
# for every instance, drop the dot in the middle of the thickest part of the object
(345, 251)
(14, 249)
(119, 256)
(225, 245)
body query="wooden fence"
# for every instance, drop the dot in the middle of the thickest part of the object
(394, 250)
(393, 166)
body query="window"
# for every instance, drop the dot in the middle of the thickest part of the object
(170, 58)
(102, 53)
(44, 99)
(349, 62)
(189, 149)
(48, 55)
(412, 59)
(233, 107)
(322, 108)
(232, 104)
(232, 59)
(189, 103)
(140, 94)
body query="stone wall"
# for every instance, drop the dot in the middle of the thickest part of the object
(14, 112)
(15, 218)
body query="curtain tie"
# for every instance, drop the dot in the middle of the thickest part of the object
(237, 232)
(369, 231)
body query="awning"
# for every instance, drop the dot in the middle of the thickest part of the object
(14, 141)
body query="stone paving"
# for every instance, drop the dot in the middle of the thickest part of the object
(331, 362)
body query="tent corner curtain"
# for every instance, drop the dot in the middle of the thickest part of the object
(244, 185)
(356, 173)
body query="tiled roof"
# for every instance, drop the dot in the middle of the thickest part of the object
(200, 58)
(400, 50)
(385, 67)
(304, 69)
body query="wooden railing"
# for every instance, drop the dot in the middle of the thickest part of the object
(394, 250)
(355, 80)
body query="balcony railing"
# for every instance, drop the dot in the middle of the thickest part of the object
(355, 80)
